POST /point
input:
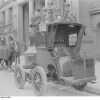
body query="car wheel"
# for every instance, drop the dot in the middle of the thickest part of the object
(19, 77)
(39, 81)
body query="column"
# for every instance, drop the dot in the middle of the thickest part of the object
(56, 4)
(15, 21)
(98, 43)
(19, 22)
(62, 7)
(31, 14)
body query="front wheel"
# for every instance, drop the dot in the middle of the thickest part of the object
(79, 86)
(39, 81)
(19, 77)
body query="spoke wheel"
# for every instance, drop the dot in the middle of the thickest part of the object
(39, 81)
(79, 86)
(19, 77)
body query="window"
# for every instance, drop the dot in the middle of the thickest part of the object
(10, 23)
(40, 39)
(38, 4)
(42, 3)
(66, 35)
(64, 1)
(3, 18)
(10, 15)
(3, 1)
(68, 2)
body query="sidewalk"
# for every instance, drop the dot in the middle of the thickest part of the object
(95, 88)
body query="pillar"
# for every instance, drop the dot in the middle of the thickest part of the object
(19, 22)
(7, 16)
(31, 14)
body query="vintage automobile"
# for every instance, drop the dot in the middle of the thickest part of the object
(56, 57)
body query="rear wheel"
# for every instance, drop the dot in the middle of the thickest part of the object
(19, 77)
(39, 81)
(79, 86)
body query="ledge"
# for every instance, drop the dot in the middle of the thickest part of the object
(6, 3)
(95, 10)
(88, 41)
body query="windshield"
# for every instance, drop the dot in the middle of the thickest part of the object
(66, 35)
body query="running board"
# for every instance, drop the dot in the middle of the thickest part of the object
(71, 80)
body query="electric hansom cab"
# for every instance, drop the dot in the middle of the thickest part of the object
(56, 57)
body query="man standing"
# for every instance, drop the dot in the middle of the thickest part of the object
(68, 16)
(11, 52)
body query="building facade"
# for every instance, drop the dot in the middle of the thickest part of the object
(95, 23)
(17, 14)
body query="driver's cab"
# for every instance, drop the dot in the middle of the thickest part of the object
(71, 40)
(64, 42)
(64, 37)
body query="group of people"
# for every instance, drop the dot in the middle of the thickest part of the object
(10, 50)
(50, 15)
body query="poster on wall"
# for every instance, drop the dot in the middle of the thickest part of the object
(72, 39)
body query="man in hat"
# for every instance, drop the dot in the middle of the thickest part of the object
(68, 16)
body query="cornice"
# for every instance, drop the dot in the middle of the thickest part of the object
(95, 10)
(6, 3)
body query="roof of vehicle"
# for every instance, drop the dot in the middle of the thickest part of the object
(67, 23)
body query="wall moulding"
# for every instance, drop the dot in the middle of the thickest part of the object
(6, 3)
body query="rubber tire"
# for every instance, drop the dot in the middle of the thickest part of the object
(20, 86)
(79, 87)
(41, 71)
